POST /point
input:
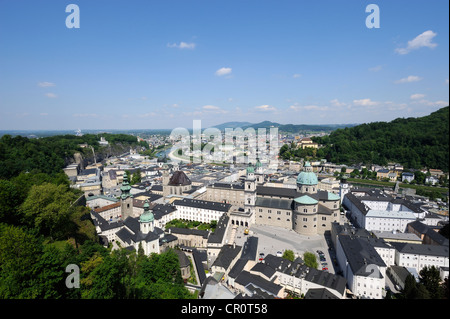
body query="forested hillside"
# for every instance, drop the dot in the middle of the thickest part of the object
(49, 154)
(413, 142)
(43, 229)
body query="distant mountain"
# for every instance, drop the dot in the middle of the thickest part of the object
(287, 128)
(232, 125)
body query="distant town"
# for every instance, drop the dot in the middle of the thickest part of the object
(290, 229)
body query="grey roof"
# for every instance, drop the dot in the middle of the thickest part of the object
(182, 258)
(276, 191)
(254, 293)
(325, 279)
(228, 186)
(319, 293)
(276, 203)
(250, 248)
(157, 188)
(204, 204)
(104, 225)
(264, 269)
(245, 278)
(237, 268)
(198, 258)
(428, 231)
(361, 255)
(160, 210)
(226, 255)
(421, 249)
(131, 233)
(357, 203)
(219, 233)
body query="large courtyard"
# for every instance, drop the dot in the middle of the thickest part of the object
(272, 240)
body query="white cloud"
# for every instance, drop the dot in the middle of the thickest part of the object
(315, 108)
(417, 96)
(409, 79)
(446, 81)
(296, 75)
(431, 103)
(365, 102)
(297, 107)
(213, 109)
(45, 84)
(51, 95)
(223, 71)
(375, 68)
(336, 103)
(265, 108)
(422, 40)
(182, 45)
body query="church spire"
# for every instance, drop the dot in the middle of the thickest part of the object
(125, 189)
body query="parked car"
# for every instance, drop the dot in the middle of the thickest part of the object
(279, 254)
(325, 268)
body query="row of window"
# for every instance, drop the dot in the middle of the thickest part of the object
(287, 219)
(278, 212)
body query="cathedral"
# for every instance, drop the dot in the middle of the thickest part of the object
(306, 210)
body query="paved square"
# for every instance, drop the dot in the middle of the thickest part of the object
(273, 239)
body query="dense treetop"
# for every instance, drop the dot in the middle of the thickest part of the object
(413, 142)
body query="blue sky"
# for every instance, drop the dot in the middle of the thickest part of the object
(162, 64)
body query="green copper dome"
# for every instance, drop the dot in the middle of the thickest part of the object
(305, 200)
(258, 163)
(147, 216)
(250, 169)
(307, 178)
(332, 196)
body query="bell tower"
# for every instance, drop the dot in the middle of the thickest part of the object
(250, 191)
(126, 199)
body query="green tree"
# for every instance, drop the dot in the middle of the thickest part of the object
(48, 207)
(11, 197)
(430, 278)
(289, 255)
(136, 177)
(19, 255)
(310, 260)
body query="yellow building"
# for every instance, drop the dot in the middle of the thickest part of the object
(307, 142)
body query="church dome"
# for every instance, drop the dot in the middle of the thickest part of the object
(306, 200)
(307, 177)
(147, 216)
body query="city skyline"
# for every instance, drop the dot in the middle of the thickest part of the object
(161, 65)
